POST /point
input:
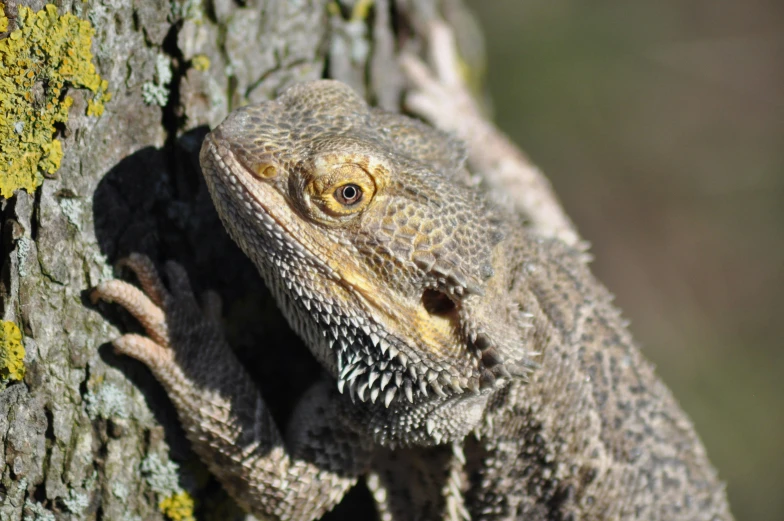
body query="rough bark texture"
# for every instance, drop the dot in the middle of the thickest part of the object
(77, 434)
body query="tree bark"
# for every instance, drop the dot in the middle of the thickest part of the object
(90, 435)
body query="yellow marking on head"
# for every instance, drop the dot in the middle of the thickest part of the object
(437, 333)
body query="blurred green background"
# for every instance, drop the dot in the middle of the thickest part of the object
(661, 125)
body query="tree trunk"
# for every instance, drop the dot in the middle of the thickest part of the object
(86, 434)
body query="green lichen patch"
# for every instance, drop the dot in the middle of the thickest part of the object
(108, 401)
(12, 352)
(39, 60)
(157, 92)
(35, 511)
(76, 502)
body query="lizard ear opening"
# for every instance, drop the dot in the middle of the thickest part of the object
(437, 303)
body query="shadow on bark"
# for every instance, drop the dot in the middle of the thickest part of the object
(155, 202)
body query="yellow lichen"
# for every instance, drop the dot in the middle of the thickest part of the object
(12, 352)
(178, 507)
(43, 56)
(3, 19)
(200, 62)
(361, 9)
(333, 9)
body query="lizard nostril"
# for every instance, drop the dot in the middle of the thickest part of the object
(436, 302)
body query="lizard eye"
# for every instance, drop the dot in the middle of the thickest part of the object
(340, 190)
(348, 195)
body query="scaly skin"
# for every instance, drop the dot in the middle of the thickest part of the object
(476, 368)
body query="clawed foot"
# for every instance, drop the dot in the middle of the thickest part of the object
(441, 97)
(439, 94)
(157, 308)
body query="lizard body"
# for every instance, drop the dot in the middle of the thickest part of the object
(474, 367)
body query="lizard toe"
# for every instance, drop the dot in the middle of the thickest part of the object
(437, 91)
(212, 306)
(443, 54)
(138, 304)
(179, 283)
(147, 275)
(144, 349)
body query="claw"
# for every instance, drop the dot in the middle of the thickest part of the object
(147, 275)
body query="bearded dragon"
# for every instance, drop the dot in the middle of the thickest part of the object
(474, 368)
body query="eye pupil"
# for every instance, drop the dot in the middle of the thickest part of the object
(349, 194)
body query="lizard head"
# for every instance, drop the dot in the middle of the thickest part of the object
(380, 253)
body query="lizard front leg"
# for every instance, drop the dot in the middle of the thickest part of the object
(441, 97)
(222, 411)
(420, 484)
